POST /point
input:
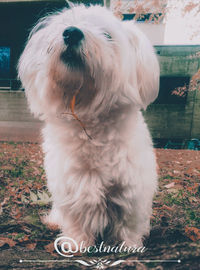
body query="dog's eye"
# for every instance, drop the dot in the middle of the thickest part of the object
(107, 35)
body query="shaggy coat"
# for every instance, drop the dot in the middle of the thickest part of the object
(102, 176)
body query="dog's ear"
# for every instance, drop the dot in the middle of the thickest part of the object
(147, 68)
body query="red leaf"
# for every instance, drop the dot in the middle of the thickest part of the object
(192, 233)
(50, 248)
(31, 246)
(4, 240)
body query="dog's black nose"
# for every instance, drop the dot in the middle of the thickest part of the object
(72, 36)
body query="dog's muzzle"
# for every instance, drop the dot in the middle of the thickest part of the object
(72, 36)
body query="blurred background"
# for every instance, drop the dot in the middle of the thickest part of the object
(173, 27)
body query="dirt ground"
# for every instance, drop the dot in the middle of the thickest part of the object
(175, 233)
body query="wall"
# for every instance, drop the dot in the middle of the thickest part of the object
(154, 32)
(165, 120)
(16, 122)
(176, 120)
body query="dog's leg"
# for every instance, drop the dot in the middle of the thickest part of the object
(137, 225)
(70, 226)
(73, 229)
(129, 212)
(81, 210)
(54, 218)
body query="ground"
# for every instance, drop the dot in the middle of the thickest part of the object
(24, 200)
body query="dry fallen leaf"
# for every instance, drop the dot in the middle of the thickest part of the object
(4, 240)
(192, 233)
(192, 199)
(44, 197)
(33, 197)
(165, 207)
(31, 246)
(170, 185)
(50, 248)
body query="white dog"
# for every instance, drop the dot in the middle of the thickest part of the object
(87, 75)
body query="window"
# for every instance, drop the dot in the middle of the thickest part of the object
(167, 86)
(4, 62)
(150, 17)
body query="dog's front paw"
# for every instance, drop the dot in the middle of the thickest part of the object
(133, 242)
(80, 241)
(53, 219)
(131, 238)
(49, 223)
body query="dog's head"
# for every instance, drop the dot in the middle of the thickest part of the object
(87, 50)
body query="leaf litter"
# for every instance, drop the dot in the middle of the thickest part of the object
(24, 197)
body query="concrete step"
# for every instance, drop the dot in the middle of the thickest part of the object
(20, 131)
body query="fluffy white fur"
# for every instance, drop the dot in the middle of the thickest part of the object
(102, 186)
